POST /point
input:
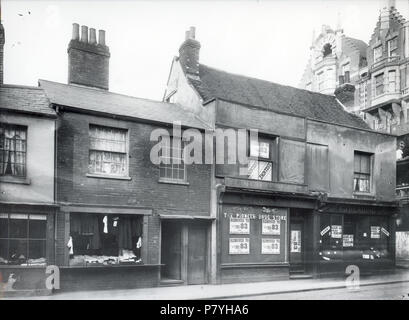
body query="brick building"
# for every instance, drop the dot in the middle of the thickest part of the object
(122, 217)
(317, 191)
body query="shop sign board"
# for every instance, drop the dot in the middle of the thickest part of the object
(239, 225)
(239, 246)
(385, 231)
(325, 230)
(375, 232)
(336, 232)
(270, 246)
(270, 227)
(348, 240)
(295, 241)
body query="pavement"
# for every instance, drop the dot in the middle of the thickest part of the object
(228, 291)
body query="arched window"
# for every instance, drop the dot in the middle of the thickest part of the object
(327, 50)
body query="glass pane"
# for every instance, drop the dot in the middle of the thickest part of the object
(18, 226)
(36, 249)
(37, 229)
(357, 163)
(264, 150)
(3, 251)
(3, 226)
(252, 170)
(365, 164)
(265, 171)
(254, 148)
(18, 251)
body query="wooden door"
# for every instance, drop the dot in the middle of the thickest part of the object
(296, 243)
(197, 248)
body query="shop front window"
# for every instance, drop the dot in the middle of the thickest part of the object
(354, 238)
(97, 239)
(260, 166)
(23, 239)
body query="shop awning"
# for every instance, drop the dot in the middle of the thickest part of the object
(106, 209)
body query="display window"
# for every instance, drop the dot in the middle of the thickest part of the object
(23, 239)
(254, 234)
(98, 239)
(352, 237)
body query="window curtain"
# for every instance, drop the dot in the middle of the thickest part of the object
(88, 225)
(129, 230)
(9, 152)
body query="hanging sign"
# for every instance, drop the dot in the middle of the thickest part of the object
(348, 240)
(336, 232)
(375, 232)
(270, 227)
(385, 232)
(239, 225)
(270, 246)
(325, 230)
(239, 246)
(295, 241)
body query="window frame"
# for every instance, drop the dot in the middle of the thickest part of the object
(272, 158)
(393, 52)
(360, 173)
(380, 84)
(377, 50)
(27, 238)
(394, 81)
(166, 168)
(125, 175)
(14, 127)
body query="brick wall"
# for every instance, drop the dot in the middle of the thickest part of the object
(144, 189)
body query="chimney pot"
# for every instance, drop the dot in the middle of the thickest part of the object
(84, 34)
(101, 37)
(75, 31)
(92, 36)
(192, 32)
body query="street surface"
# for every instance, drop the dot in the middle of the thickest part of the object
(397, 291)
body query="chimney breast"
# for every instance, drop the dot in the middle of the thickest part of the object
(88, 61)
(189, 54)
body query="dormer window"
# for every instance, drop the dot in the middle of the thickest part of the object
(327, 50)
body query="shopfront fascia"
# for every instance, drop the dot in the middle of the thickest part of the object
(27, 244)
(254, 234)
(358, 233)
(107, 247)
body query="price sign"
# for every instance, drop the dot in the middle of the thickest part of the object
(271, 227)
(239, 246)
(239, 225)
(270, 246)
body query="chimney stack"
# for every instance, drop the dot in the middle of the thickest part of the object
(2, 40)
(189, 54)
(88, 60)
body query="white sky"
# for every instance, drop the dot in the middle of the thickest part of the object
(259, 38)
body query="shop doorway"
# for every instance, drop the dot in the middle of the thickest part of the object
(197, 248)
(183, 253)
(297, 244)
(171, 253)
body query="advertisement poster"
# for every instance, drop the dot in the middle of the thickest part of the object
(239, 246)
(348, 240)
(271, 227)
(336, 232)
(295, 241)
(270, 246)
(239, 225)
(375, 232)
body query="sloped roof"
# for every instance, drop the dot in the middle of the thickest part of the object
(352, 44)
(25, 99)
(98, 100)
(260, 93)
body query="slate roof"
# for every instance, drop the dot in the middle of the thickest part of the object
(25, 99)
(351, 44)
(260, 93)
(98, 100)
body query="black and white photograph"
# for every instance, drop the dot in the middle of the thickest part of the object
(226, 151)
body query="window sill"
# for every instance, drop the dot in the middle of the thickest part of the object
(17, 180)
(102, 176)
(169, 181)
(363, 195)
